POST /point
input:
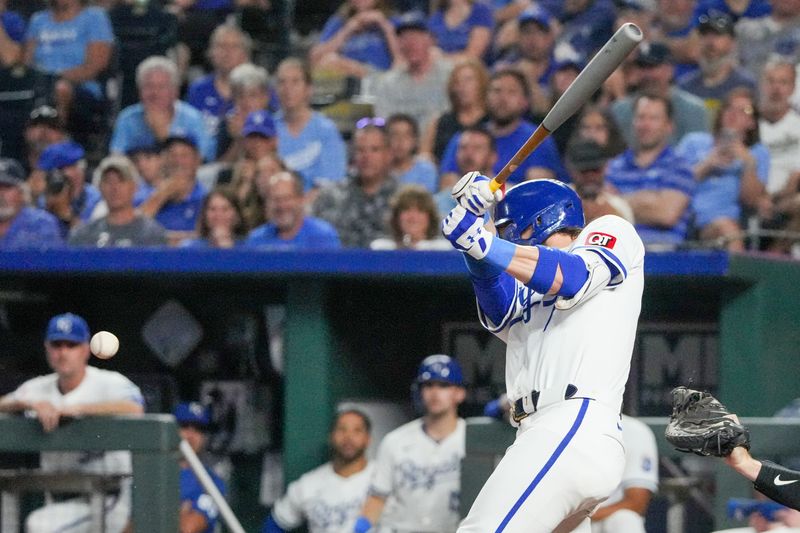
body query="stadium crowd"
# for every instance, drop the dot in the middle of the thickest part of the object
(183, 123)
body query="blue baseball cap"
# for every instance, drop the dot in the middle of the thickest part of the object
(67, 327)
(537, 14)
(259, 123)
(194, 413)
(413, 20)
(11, 172)
(60, 155)
(183, 137)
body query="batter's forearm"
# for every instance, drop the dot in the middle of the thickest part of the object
(779, 483)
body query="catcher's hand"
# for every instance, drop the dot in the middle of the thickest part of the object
(701, 425)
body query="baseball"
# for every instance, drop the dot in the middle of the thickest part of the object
(104, 344)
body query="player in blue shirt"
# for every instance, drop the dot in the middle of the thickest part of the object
(20, 226)
(198, 511)
(289, 228)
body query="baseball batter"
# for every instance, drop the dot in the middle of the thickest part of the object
(624, 510)
(416, 484)
(566, 301)
(76, 389)
(329, 498)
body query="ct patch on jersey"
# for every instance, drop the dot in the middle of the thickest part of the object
(605, 240)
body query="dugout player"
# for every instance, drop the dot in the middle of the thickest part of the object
(76, 389)
(329, 498)
(416, 484)
(198, 512)
(566, 301)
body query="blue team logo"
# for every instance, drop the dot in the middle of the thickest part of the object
(64, 325)
(413, 476)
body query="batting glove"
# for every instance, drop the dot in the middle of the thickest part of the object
(466, 233)
(473, 193)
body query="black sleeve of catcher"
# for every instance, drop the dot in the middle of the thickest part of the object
(779, 483)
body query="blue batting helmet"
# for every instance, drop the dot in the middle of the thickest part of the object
(440, 368)
(547, 206)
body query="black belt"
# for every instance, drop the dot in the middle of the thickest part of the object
(518, 409)
(65, 496)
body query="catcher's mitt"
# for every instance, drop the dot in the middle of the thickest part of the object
(701, 425)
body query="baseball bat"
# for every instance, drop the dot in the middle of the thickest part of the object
(588, 81)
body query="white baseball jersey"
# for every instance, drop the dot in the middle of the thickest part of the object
(326, 501)
(421, 479)
(97, 386)
(641, 471)
(589, 345)
(568, 455)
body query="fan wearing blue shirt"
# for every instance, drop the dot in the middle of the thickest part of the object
(308, 142)
(198, 510)
(67, 194)
(12, 36)
(177, 200)
(211, 94)
(288, 227)
(159, 114)
(21, 226)
(462, 28)
(507, 102)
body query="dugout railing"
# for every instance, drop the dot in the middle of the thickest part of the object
(151, 439)
(487, 440)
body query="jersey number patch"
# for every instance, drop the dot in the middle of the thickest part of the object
(601, 239)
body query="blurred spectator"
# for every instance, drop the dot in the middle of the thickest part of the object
(675, 22)
(199, 512)
(75, 389)
(175, 203)
(229, 47)
(626, 507)
(220, 224)
(532, 54)
(21, 90)
(12, 36)
(508, 102)
(259, 139)
(406, 166)
(475, 151)
(67, 195)
(462, 28)
(22, 226)
(598, 124)
(656, 182)
(719, 72)
(72, 43)
(265, 21)
(466, 90)
(122, 226)
(357, 40)
(150, 168)
(142, 29)
(736, 9)
(779, 123)
(656, 74)
(357, 207)
(586, 162)
(413, 222)
(42, 129)
(196, 21)
(586, 25)
(252, 193)
(289, 228)
(416, 85)
(775, 33)
(308, 141)
(250, 90)
(159, 114)
(731, 168)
